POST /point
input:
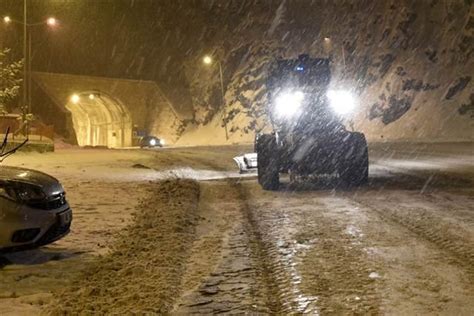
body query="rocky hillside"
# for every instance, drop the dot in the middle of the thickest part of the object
(410, 63)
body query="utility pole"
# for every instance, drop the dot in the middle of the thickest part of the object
(25, 105)
(224, 115)
(51, 21)
(208, 61)
(343, 56)
(29, 71)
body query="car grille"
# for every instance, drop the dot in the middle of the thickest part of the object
(51, 203)
(25, 235)
(54, 233)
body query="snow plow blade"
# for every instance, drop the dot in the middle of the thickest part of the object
(247, 162)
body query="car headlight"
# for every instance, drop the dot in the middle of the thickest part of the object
(162, 142)
(288, 104)
(152, 142)
(22, 192)
(341, 101)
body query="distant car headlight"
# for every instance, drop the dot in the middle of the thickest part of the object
(152, 142)
(162, 142)
(341, 101)
(22, 192)
(288, 104)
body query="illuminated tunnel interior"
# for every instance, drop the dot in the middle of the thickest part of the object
(100, 120)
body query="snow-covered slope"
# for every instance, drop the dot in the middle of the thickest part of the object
(410, 63)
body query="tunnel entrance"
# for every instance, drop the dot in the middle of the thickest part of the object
(100, 120)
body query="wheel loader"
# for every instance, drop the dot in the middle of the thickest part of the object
(308, 137)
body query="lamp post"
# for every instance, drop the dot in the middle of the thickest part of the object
(208, 61)
(328, 43)
(51, 22)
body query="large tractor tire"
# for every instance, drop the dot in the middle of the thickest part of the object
(354, 170)
(268, 162)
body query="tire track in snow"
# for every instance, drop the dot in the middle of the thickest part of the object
(271, 273)
(246, 240)
(427, 227)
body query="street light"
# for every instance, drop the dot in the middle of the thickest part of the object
(208, 61)
(75, 98)
(327, 40)
(51, 21)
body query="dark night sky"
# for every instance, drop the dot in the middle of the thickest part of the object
(135, 39)
(125, 38)
(128, 38)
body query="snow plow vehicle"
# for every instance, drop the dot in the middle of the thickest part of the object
(308, 136)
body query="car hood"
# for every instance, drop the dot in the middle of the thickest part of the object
(49, 184)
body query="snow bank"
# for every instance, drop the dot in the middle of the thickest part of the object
(143, 271)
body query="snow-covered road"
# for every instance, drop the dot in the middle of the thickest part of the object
(404, 244)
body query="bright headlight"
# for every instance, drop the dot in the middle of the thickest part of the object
(342, 102)
(288, 104)
(22, 192)
(152, 142)
(162, 142)
(29, 192)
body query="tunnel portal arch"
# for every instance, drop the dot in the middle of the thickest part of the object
(100, 120)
